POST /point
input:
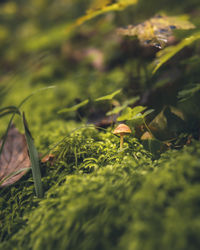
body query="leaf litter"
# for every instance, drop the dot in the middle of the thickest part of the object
(14, 160)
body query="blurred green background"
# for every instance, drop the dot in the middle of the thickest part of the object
(40, 46)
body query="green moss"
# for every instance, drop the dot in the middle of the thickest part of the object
(84, 151)
(127, 203)
(165, 214)
(87, 149)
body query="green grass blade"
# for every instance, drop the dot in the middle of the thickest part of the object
(34, 158)
(6, 133)
(13, 174)
(34, 93)
(19, 106)
(9, 110)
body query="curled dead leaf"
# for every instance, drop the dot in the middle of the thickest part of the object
(14, 160)
(47, 158)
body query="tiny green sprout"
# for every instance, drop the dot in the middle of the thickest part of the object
(122, 129)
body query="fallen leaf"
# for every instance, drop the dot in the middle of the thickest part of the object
(47, 158)
(14, 160)
(168, 124)
(146, 136)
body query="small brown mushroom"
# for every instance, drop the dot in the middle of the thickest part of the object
(122, 129)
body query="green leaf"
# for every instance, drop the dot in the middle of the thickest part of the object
(166, 54)
(98, 4)
(118, 109)
(134, 115)
(191, 90)
(35, 166)
(83, 103)
(108, 97)
(157, 30)
(73, 108)
(131, 113)
(91, 13)
(62, 32)
(149, 111)
(126, 115)
(137, 110)
(168, 124)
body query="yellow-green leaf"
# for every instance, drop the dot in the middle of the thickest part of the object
(164, 55)
(58, 33)
(108, 97)
(104, 8)
(118, 109)
(98, 4)
(157, 30)
(73, 108)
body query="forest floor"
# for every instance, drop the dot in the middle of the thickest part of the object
(66, 179)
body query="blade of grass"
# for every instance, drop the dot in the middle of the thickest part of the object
(19, 106)
(34, 93)
(34, 158)
(13, 174)
(9, 110)
(6, 133)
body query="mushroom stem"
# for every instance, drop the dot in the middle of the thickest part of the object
(121, 140)
(121, 130)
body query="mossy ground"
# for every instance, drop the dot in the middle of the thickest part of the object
(97, 197)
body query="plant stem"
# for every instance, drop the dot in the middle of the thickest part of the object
(147, 128)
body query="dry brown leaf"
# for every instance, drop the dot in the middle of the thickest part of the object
(146, 136)
(47, 158)
(14, 158)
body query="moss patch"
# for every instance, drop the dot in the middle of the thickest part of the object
(129, 204)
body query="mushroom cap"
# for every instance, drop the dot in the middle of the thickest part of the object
(122, 129)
